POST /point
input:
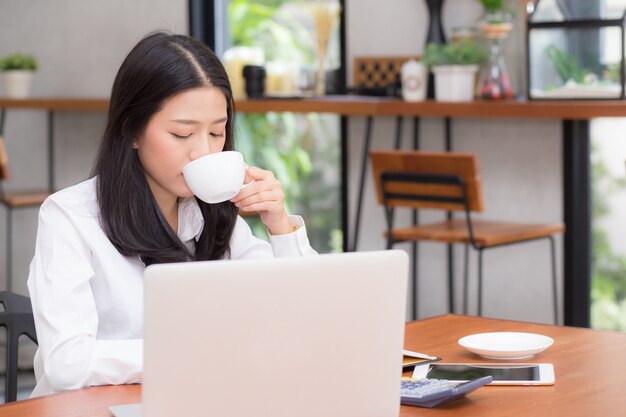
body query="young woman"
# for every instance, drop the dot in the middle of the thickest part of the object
(171, 103)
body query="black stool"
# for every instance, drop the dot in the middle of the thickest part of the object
(17, 318)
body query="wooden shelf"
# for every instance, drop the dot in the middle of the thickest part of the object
(53, 103)
(569, 110)
(375, 106)
(344, 105)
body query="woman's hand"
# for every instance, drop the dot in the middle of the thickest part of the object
(264, 193)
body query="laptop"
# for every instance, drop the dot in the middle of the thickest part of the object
(310, 336)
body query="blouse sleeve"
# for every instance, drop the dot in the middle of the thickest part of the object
(244, 245)
(70, 356)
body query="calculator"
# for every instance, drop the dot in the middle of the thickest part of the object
(425, 392)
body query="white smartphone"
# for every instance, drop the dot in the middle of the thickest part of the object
(502, 373)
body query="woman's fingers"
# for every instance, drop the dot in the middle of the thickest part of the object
(265, 195)
(256, 180)
(261, 187)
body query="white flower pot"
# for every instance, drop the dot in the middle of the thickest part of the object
(454, 82)
(18, 83)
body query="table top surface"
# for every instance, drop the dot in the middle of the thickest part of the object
(589, 367)
(375, 106)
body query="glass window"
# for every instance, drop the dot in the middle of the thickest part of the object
(608, 286)
(303, 150)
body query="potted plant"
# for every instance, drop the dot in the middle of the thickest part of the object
(18, 74)
(454, 66)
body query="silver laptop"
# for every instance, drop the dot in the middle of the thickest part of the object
(314, 336)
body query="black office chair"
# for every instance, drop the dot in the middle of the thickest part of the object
(17, 319)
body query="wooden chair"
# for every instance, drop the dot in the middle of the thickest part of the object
(13, 201)
(451, 182)
(378, 75)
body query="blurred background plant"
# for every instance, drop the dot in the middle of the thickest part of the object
(301, 150)
(496, 11)
(18, 61)
(566, 65)
(612, 72)
(464, 52)
(608, 289)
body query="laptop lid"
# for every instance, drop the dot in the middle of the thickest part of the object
(312, 336)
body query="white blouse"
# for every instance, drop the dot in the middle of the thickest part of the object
(88, 298)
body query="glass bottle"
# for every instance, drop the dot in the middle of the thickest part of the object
(494, 82)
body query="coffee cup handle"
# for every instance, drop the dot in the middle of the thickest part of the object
(248, 183)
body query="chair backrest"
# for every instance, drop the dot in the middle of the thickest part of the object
(376, 72)
(5, 174)
(432, 180)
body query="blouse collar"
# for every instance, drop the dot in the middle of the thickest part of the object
(190, 220)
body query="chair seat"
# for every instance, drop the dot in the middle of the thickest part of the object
(486, 233)
(15, 200)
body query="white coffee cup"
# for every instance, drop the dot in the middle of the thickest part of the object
(216, 177)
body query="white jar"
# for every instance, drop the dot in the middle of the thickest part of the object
(235, 59)
(414, 81)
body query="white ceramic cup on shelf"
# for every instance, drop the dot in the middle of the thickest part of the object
(216, 177)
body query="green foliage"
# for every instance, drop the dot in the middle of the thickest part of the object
(465, 52)
(497, 12)
(608, 292)
(288, 144)
(301, 150)
(17, 61)
(612, 72)
(492, 6)
(566, 65)
(267, 25)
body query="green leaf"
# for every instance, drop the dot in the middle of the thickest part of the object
(456, 53)
(17, 61)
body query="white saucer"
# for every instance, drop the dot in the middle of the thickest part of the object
(506, 345)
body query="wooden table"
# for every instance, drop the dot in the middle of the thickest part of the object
(589, 365)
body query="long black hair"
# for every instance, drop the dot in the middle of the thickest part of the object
(160, 66)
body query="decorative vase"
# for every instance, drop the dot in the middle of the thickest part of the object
(18, 83)
(494, 82)
(434, 35)
(325, 17)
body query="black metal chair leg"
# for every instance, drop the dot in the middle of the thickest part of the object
(9, 251)
(480, 282)
(466, 279)
(364, 159)
(451, 278)
(415, 281)
(555, 297)
(389, 243)
(399, 122)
